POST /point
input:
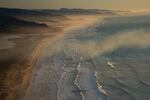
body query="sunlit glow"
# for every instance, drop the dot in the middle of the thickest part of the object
(105, 4)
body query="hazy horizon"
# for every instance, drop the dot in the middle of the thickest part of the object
(140, 5)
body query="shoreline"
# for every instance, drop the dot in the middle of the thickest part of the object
(18, 87)
(54, 74)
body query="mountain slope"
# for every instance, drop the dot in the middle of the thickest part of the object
(66, 11)
(29, 13)
(9, 23)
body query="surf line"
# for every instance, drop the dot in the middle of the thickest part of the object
(77, 76)
(100, 86)
(110, 64)
(76, 81)
(103, 93)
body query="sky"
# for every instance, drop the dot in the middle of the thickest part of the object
(98, 4)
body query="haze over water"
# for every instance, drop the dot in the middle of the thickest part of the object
(106, 60)
(120, 49)
(75, 50)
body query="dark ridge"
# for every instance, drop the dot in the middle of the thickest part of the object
(17, 12)
(8, 23)
(80, 11)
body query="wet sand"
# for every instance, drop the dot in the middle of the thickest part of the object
(13, 65)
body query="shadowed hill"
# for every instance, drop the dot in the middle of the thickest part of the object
(27, 12)
(32, 15)
(66, 11)
(9, 23)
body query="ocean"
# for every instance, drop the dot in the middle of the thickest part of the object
(109, 60)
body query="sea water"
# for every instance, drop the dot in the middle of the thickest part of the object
(108, 60)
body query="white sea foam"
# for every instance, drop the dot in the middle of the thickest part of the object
(76, 82)
(99, 86)
(110, 64)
